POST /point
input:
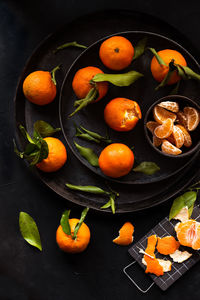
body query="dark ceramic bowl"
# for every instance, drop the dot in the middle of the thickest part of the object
(195, 135)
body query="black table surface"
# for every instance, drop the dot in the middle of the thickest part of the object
(26, 273)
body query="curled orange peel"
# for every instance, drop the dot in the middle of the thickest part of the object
(125, 235)
(167, 245)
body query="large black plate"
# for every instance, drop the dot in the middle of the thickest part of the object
(143, 91)
(87, 30)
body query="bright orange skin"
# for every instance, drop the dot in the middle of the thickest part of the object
(153, 265)
(116, 160)
(160, 71)
(39, 88)
(81, 83)
(56, 158)
(116, 53)
(167, 245)
(70, 245)
(125, 237)
(115, 114)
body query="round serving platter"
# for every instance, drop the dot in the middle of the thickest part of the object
(142, 91)
(94, 27)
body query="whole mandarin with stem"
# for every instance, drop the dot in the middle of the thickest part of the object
(122, 114)
(116, 52)
(39, 87)
(116, 160)
(160, 71)
(67, 243)
(56, 158)
(82, 83)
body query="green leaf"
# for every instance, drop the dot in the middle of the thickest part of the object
(87, 189)
(19, 153)
(45, 129)
(96, 136)
(165, 80)
(107, 205)
(187, 199)
(139, 48)
(70, 44)
(91, 96)
(88, 154)
(85, 136)
(124, 79)
(53, 74)
(25, 134)
(147, 167)
(29, 230)
(189, 73)
(78, 225)
(44, 151)
(64, 222)
(157, 56)
(112, 203)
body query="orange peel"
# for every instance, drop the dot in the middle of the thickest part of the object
(167, 245)
(125, 237)
(180, 256)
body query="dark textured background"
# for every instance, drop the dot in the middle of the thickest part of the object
(25, 273)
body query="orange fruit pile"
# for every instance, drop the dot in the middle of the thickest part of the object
(116, 52)
(56, 158)
(70, 245)
(171, 127)
(122, 114)
(116, 160)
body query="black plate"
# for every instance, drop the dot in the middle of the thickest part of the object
(93, 27)
(141, 91)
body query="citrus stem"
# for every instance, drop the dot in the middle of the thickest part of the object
(91, 96)
(70, 44)
(157, 56)
(53, 72)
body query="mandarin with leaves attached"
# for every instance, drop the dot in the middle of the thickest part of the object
(56, 158)
(159, 71)
(82, 83)
(70, 245)
(39, 87)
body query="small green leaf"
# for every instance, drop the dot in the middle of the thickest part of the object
(87, 189)
(78, 225)
(53, 74)
(147, 167)
(29, 230)
(91, 96)
(139, 48)
(165, 80)
(107, 205)
(19, 153)
(70, 44)
(64, 222)
(88, 154)
(25, 134)
(96, 135)
(189, 73)
(157, 56)
(45, 129)
(124, 79)
(187, 199)
(112, 203)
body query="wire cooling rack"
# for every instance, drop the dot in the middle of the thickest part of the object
(164, 228)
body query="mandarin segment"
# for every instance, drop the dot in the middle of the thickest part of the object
(187, 136)
(170, 105)
(164, 130)
(188, 234)
(169, 148)
(125, 235)
(181, 119)
(192, 117)
(161, 114)
(167, 245)
(156, 141)
(178, 136)
(151, 125)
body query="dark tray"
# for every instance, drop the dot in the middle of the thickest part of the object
(93, 28)
(142, 91)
